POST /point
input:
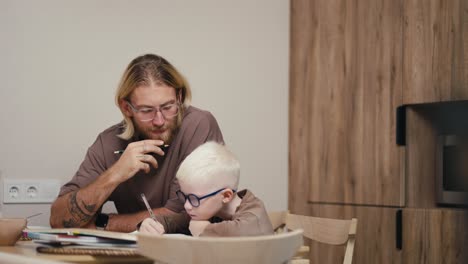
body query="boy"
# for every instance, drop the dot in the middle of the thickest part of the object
(208, 180)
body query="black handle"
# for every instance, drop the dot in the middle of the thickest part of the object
(401, 125)
(399, 229)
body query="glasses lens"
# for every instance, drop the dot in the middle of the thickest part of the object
(193, 200)
(170, 110)
(146, 114)
(149, 113)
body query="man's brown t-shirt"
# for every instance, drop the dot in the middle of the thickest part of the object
(159, 185)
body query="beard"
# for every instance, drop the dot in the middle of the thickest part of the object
(151, 132)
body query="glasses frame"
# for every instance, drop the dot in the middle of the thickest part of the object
(198, 199)
(155, 110)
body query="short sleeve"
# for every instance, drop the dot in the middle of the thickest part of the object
(199, 130)
(92, 166)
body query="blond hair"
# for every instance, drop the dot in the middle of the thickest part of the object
(146, 70)
(210, 164)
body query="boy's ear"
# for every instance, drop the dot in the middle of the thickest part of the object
(228, 194)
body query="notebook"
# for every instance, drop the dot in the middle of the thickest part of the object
(80, 236)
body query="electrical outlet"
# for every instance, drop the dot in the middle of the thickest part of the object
(30, 191)
(13, 192)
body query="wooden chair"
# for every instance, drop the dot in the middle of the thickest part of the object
(324, 230)
(175, 249)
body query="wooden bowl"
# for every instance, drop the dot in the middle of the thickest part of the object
(11, 230)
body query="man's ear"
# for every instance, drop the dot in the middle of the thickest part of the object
(228, 194)
(125, 108)
(179, 96)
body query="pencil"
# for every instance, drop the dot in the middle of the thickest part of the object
(122, 150)
(143, 197)
(31, 216)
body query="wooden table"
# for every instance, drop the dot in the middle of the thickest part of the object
(25, 252)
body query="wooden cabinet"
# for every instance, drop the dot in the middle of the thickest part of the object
(421, 159)
(428, 235)
(353, 62)
(435, 50)
(435, 236)
(345, 86)
(375, 237)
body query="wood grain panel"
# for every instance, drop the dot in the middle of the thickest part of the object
(375, 236)
(421, 159)
(302, 24)
(414, 221)
(435, 50)
(461, 91)
(344, 89)
(435, 236)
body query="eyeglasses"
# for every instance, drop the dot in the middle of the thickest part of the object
(149, 113)
(195, 200)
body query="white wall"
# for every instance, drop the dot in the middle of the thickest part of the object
(60, 62)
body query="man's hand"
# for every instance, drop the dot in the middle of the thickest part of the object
(137, 156)
(197, 227)
(150, 226)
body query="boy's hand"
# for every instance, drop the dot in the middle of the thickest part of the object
(150, 226)
(197, 227)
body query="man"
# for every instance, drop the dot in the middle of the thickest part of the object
(139, 155)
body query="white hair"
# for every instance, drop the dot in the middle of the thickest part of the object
(210, 164)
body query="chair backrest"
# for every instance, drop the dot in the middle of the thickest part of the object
(174, 249)
(324, 230)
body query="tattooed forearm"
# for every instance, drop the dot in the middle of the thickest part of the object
(79, 216)
(89, 207)
(69, 223)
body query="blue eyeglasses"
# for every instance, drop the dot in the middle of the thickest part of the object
(195, 200)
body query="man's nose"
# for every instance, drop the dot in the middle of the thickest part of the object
(158, 119)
